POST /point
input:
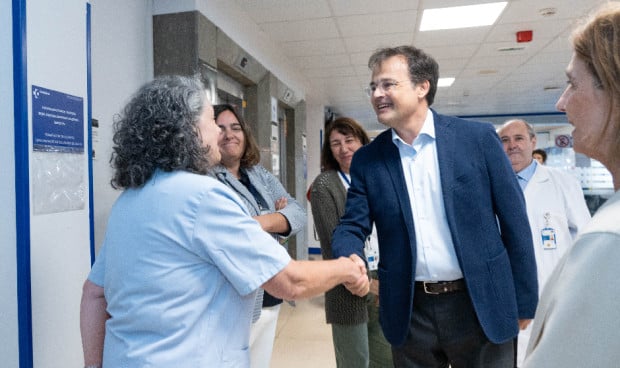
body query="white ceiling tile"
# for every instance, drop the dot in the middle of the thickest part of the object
(560, 44)
(506, 60)
(377, 23)
(555, 58)
(363, 71)
(355, 7)
(361, 59)
(460, 51)
(346, 83)
(344, 71)
(351, 98)
(321, 61)
(370, 43)
(451, 64)
(277, 11)
(324, 46)
(301, 30)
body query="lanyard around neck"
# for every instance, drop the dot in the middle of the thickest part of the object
(245, 180)
(344, 177)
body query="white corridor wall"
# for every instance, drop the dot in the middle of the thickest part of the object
(8, 267)
(60, 241)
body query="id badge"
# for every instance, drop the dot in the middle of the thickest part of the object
(548, 238)
(372, 256)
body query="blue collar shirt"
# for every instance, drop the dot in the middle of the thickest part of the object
(525, 175)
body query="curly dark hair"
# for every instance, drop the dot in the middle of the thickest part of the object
(251, 153)
(157, 129)
(344, 126)
(421, 66)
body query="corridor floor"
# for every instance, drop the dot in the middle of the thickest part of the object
(303, 339)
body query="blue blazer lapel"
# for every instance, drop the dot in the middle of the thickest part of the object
(446, 156)
(446, 144)
(391, 159)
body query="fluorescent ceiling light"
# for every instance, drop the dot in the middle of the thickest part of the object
(461, 16)
(445, 82)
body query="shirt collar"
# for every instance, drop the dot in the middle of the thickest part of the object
(427, 131)
(527, 173)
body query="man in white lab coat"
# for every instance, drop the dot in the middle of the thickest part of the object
(556, 207)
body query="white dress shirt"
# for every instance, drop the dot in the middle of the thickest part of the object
(436, 258)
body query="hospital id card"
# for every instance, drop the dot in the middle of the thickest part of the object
(548, 238)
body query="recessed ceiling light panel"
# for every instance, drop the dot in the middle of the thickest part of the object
(445, 82)
(461, 16)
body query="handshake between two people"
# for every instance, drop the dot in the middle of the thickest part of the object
(304, 279)
(359, 283)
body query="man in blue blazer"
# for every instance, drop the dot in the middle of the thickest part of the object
(457, 270)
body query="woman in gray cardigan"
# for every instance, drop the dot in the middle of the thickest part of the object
(269, 203)
(357, 336)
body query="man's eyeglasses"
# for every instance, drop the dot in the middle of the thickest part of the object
(384, 85)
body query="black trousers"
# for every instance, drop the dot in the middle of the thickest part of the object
(444, 331)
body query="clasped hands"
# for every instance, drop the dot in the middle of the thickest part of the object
(359, 284)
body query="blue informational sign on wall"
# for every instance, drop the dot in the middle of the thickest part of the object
(57, 121)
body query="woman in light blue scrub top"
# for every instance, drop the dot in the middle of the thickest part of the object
(175, 280)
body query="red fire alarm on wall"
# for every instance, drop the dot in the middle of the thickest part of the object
(524, 36)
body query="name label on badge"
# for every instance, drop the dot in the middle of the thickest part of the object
(548, 238)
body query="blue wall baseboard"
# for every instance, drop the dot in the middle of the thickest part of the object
(314, 250)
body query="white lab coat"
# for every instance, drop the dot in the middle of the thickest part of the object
(556, 193)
